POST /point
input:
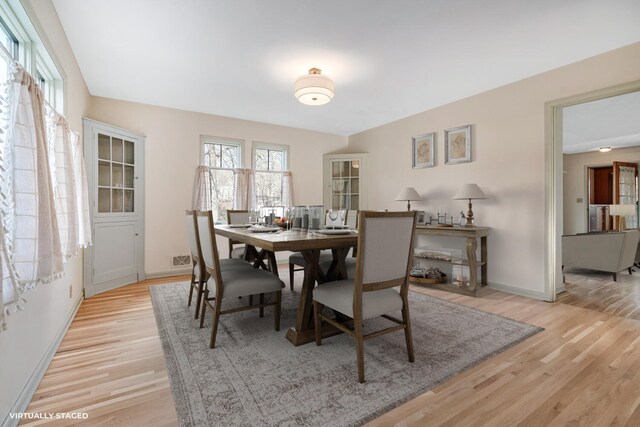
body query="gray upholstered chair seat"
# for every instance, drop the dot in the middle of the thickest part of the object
(228, 264)
(237, 252)
(296, 258)
(339, 296)
(242, 282)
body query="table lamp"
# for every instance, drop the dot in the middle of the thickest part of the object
(469, 192)
(408, 194)
(622, 211)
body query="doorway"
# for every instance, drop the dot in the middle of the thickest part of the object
(114, 159)
(588, 193)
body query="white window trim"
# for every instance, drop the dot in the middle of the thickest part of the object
(206, 139)
(33, 52)
(269, 146)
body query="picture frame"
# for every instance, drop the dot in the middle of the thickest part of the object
(423, 147)
(457, 145)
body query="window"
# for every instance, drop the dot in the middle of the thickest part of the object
(222, 157)
(269, 162)
(19, 41)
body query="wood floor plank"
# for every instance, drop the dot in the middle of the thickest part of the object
(584, 369)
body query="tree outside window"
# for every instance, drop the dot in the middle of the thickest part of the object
(269, 163)
(222, 159)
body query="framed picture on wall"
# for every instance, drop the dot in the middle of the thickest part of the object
(457, 145)
(423, 150)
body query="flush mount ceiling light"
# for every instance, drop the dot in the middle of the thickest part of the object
(314, 88)
(604, 149)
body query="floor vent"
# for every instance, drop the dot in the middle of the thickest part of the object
(181, 261)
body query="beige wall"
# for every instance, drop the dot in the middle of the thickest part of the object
(508, 160)
(575, 183)
(172, 152)
(32, 332)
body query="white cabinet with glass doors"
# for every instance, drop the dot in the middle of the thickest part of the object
(345, 181)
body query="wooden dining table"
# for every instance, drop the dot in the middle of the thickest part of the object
(264, 245)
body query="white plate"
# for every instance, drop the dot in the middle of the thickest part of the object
(239, 225)
(335, 227)
(264, 229)
(329, 232)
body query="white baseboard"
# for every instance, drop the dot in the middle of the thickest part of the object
(29, 389)
(169, 273)
(518, 291)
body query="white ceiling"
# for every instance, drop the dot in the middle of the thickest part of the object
(610, 122)
(389, 59)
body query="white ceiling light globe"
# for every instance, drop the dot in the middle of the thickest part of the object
(314, 88)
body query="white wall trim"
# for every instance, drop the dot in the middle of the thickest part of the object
(25, 396)
(518, 291)
(554, 179)
(169, 273)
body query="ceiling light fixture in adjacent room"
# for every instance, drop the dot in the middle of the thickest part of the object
(604, 149)
(314, 88)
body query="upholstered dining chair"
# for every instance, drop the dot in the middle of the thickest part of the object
(237, 217)
(296, 258)
(230, 284)
(199, 274)
(385, 246)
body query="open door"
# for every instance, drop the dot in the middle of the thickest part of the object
(625, 190)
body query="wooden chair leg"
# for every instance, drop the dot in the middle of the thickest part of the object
(407, 331)
(261, 302)
(193, 282)
(317, 309)
(204, 308)
(291, 274)
(214, 325)
(359, 348)
(615, 277)
(199, 298)
(630, 270)
(278, 309)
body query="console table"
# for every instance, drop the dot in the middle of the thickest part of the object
(471, 234)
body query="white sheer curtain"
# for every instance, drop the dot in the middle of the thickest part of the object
(244, 197)
(39, 212)
(202, 190)
(287, 189)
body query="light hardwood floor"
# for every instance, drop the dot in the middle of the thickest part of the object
(584, 369)
(597, 291)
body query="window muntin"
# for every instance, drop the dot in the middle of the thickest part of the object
(20, 39)
(269, 162)
(222, 157)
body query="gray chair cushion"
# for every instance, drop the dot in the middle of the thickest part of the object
(241, 282)
(228, 264)
(296, 258)
(237, 252)
(339, 296)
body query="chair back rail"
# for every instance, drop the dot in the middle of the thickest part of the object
(209, 247)
(192, 235)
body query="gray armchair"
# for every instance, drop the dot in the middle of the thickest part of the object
(611, 252)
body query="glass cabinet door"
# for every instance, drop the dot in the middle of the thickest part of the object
(345, 184)
(344, 181)
(116, 174)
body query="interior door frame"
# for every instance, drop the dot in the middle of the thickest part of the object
(90, 147)
(554, 188)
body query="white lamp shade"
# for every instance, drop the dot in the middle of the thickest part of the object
(314, 88)
(408, 193)
(469, 191)
(622, 210)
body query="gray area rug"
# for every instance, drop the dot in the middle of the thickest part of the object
(255, 377)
